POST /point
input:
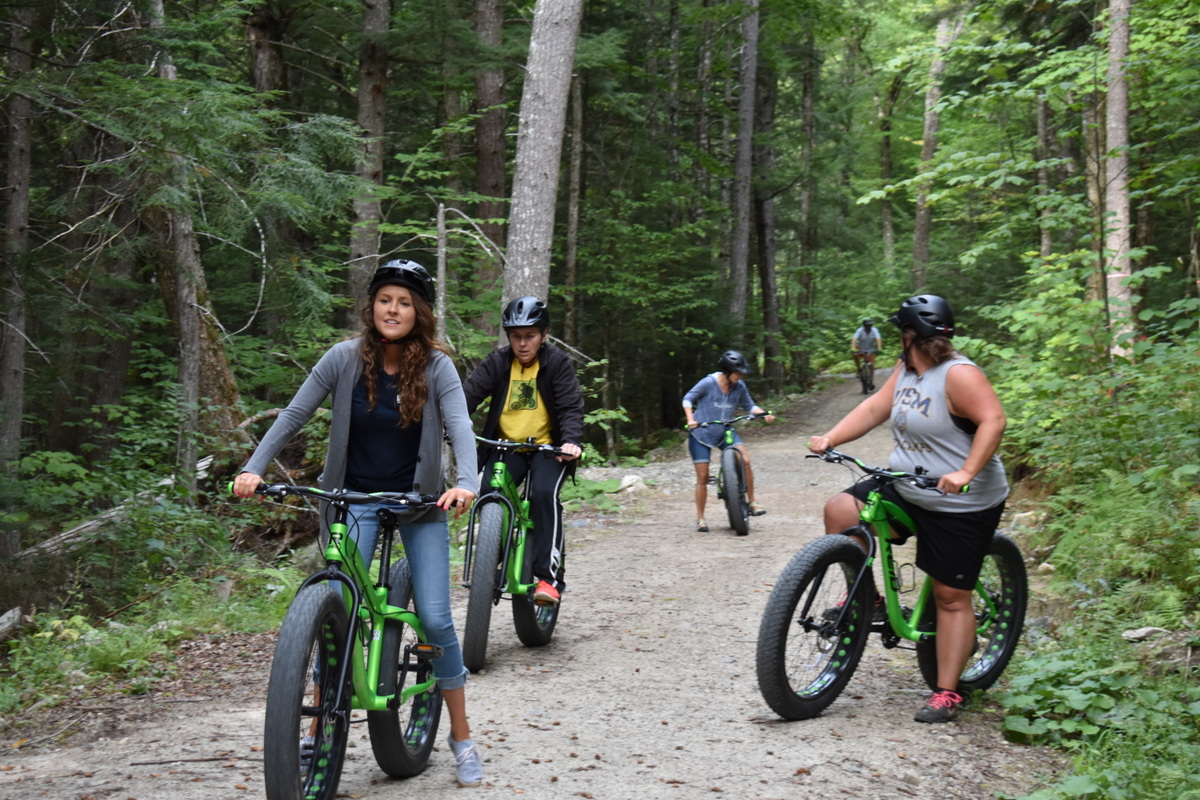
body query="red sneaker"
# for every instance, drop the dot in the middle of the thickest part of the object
(545, 594)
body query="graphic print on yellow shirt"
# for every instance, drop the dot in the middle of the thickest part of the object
(524, 413)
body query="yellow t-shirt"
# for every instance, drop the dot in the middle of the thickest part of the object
(524, 413)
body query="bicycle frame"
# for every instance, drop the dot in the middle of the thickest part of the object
(367, 608)
(875, 526)
(517, 524)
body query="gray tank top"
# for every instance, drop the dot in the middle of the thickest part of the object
(927, 435)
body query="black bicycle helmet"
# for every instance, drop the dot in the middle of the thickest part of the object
(525, 312)
(733, 361)
(868, 321)
(927, 315)
(409, 274)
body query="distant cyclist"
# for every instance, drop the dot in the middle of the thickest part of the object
(866, 343)
(718, 396)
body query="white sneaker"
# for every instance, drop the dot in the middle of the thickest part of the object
(468, 767)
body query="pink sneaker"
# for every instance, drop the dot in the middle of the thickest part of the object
(545, 594)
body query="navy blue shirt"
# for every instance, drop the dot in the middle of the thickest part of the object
(381, 456)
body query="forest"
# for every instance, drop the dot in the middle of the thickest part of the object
(195, 195)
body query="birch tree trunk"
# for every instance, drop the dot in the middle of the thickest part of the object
(947, 32)
(743, 172)
(1116, 186)
(372, 111)
(539, 146)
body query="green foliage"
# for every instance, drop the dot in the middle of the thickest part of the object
(577, 493)
(1134, 738)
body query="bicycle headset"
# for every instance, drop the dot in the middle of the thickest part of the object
(525, 312)
(408, 274)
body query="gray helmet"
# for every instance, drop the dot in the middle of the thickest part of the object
(733, 361)
(927, 315)
(525, 312)
(405, 273)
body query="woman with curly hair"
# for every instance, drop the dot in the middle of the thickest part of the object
(395, 391)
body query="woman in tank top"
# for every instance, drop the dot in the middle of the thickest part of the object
(946, 418)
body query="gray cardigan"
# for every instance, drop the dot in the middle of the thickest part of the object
(336, 374)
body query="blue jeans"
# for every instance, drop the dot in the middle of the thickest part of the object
(427, 547)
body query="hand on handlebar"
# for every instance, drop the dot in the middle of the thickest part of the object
(955, 482)
(819, 444)
(245, 483)
(570, 452)
(458, 499)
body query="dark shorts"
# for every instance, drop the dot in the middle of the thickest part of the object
(702, 453)
(950, 546)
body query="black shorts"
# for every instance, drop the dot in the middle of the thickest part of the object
(950, 546)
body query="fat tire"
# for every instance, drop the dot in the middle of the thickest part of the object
(1004, 578)
(804, 664)
(534, 623)
(733, 474)
(485, 578)
(315, 626)
(402, 738)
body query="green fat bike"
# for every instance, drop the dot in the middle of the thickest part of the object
(731, 475)
(348, 642)
(819, 615)
(499, 561)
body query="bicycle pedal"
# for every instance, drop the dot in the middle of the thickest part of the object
(424, 651)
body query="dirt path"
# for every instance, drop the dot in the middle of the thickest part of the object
(647, 691)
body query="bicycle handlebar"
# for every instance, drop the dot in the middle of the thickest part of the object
(522, 447)
(729, 422)
(919, 479)
(414, 500)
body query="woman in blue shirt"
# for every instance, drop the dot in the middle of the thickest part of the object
(718, 396)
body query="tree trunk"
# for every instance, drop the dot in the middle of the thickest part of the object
(574, 195)
(264, 28)
(947, 32)
(1094, 166)
(701, 178)
(1046, 238)
(16, 245)
(764, 216)
(372, 110)
(1116, 186)
(743, 166)
(203, 368)
(886, 108)
(490, 148)
(539, 146)
(809, 81)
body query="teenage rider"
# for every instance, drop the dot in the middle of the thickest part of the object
(535, 394)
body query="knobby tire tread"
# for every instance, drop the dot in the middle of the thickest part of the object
(734, 490)
(485, 577)
(315, 624)
(801, 671)
(402, 738)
